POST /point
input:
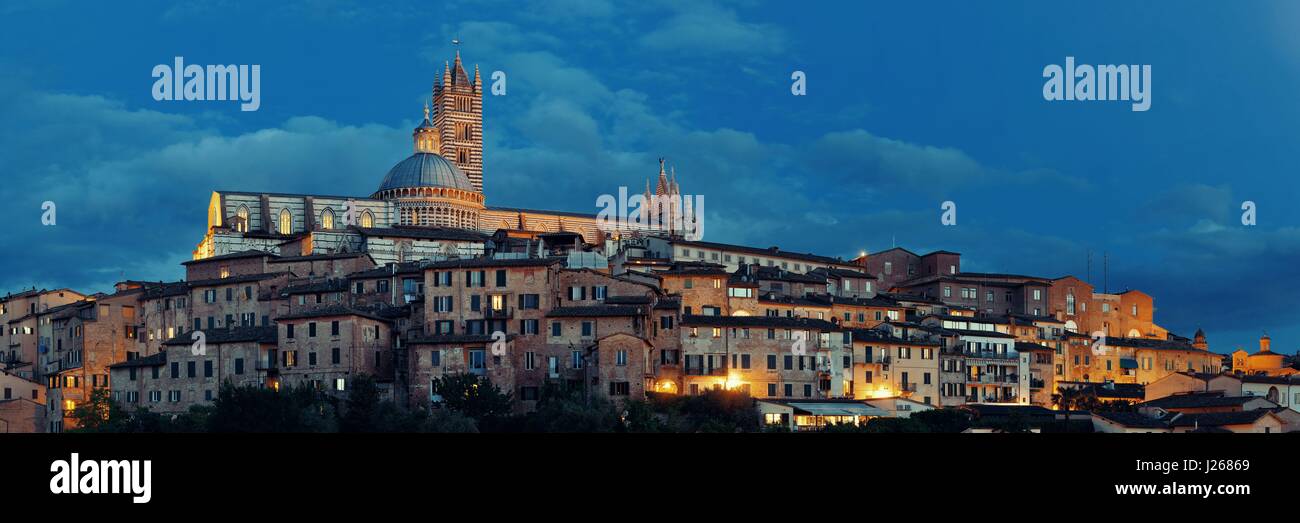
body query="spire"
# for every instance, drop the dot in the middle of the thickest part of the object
(662, 187)
(426, 135)
(458, 76)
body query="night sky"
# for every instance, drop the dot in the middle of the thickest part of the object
(906, 107)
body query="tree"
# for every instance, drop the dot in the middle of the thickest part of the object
(712, 411)
(362, 409)
(473, 396)
(641, 417)
(1069, 398)
(572, 412)
(255, 409)
(100, 413)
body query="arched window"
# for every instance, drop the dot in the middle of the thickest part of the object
(367, 219)
(327, 219)
(242, 224)
(286, 222)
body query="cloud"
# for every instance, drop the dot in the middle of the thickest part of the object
(705, 28)
(131, 186)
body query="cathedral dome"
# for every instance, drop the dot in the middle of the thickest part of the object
(425, 170)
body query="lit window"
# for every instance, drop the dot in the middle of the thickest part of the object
(286, 222)
(242, 214)
(327, 219)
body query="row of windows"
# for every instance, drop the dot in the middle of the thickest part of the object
(210, 295)
(311, 329)
(755, 260)
(285, 220)
(246, 319)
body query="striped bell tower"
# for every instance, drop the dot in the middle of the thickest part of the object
(458, 106)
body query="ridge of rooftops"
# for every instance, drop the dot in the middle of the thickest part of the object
(693, 320)
(1204, 421)
(827, 300)
(1199, 399)
(878, 335)
(770, 251)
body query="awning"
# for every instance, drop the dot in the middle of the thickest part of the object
(1128, 363)
(836, 409)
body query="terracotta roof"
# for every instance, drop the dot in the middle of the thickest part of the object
(759, 321)
(235, 335)
(331, 310)
(596, 311)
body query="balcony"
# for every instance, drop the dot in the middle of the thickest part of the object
(989, 355)
(907, 387)
(499, 314)
(990, 378)
(721, 371)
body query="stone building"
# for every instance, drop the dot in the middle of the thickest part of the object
(88, 337)
(181, 376)
(327, 347)
(20, 340)
(768, 356)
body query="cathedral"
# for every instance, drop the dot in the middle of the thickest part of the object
(429, 206)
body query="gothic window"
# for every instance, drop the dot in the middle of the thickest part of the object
(242, 224)
(466, 131)
(286, 222)
(462, 156)
(367, 219)
(327, 219)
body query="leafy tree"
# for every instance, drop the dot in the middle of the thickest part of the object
(571, 411)
(1071, 398)
(99, 413)
(362, 412)
(473, 396)
(254, 409)
(641, 417)
(712, 411)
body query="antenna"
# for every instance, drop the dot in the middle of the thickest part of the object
(1105, 271)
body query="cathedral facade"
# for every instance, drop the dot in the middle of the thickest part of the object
(429, 206)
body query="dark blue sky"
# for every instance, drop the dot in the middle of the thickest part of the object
(907, 106)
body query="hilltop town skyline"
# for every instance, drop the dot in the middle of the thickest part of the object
(579, 121)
